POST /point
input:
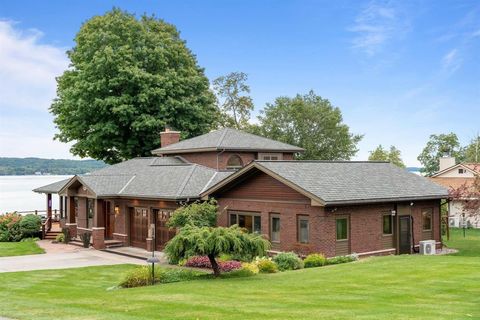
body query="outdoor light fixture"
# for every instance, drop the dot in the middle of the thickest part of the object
(117, 210)
(153, 260)
(411, 204)
(393, 212)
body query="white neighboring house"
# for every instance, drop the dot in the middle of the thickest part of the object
(453, 176)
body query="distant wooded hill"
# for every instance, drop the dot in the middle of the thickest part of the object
(27, 166)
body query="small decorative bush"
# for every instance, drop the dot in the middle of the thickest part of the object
(10, 227)
(60, 237)
(342, 259)
(66, 235)
(86, 239)
(266, 265)
(142, 276)
(204, 262)
(250, 267)
(30, 225)
(315, 260)
(288, 261)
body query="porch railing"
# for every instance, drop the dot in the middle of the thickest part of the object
(55, 213)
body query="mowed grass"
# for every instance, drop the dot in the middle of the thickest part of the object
(469, 245)
(395, 287)
(8, 249)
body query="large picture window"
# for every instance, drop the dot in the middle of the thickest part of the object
(427, 219)
(248, 220)
(342, 228)
(303, 229)
(274, 227)
(387, 224)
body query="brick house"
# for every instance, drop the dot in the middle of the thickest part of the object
(331, 207)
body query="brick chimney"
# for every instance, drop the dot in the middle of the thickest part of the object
(169, 137)
(446, 162)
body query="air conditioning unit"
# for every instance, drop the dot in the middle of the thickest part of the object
(427, 247)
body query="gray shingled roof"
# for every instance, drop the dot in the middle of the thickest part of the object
(227, 139)
(152, 177)
(343, 182)
(52, 187)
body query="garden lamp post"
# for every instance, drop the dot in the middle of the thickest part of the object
(153, 260)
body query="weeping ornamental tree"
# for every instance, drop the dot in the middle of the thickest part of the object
(128, 79)
(197, 238)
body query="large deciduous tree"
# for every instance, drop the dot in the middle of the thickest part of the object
(438, 146)
(235, 104)
(393, 155)
(310, 122)
(472, 151)
(128, 79)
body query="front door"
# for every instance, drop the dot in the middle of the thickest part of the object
(163, 234)
(405, 235)
(138, 227)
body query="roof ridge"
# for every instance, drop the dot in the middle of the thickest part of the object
(222, 137)
(184, 183)
(324, 161)
(208, 182)
(126, 185)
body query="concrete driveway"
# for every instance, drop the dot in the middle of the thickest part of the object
(60, 256)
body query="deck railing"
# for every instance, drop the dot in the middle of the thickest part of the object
(55, 213)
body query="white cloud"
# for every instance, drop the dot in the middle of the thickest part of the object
(451, 61)
(27, 87)
(376, 25)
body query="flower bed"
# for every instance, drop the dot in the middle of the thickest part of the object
(204, 262)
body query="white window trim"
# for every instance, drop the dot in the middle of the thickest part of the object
(262, 155)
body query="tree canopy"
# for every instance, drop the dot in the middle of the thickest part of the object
(212, 242)
(234, 102)
(198, 214)
(393, 155)
(310, 122)
(128, 79)
(472, 151)
(440, 145)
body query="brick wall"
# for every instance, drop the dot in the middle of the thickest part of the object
(365, 228)
(209, 159)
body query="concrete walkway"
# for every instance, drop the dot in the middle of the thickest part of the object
(61, 256)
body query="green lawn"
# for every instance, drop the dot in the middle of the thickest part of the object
(395, 287)
(469, 245)
(8, 249)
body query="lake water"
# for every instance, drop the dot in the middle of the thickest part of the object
(16, 193)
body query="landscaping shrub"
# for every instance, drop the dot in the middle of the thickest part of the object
(60, 238)
(288, 261)
(142, 276)
(86, 239)
(266, 265)
(30, 225)
(342, 259)
(314, 260)
(250, 267)
(66, 235)
(204, 262)
(10, 227)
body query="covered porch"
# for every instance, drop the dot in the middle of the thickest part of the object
(112, 221)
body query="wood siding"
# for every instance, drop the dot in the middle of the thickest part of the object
(262, 186)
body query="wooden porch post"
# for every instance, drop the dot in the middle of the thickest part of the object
(49, 211)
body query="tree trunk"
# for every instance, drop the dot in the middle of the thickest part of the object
(215, 267)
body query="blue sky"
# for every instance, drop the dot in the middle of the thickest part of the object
(399, 70)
